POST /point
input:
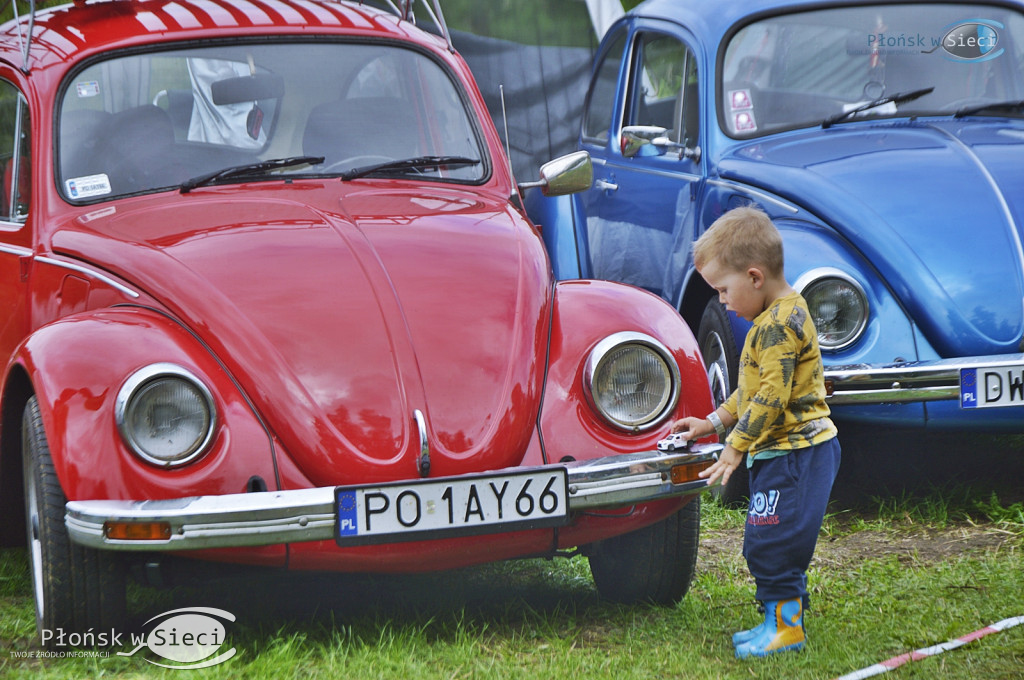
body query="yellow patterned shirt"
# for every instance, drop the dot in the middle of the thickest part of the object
(779, 403)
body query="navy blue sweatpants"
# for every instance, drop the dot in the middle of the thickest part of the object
(788, 498)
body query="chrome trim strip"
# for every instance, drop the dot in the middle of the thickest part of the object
(647, 170)
(273, 517)
(15, 250)
(421, 425)
(905, 382)
(752, 192)
(90, 272)
(423, 458)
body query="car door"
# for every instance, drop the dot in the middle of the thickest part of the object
(15, 234)
(637, 222)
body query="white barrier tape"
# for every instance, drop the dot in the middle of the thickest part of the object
(902, 659)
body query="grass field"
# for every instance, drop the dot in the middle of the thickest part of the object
(905, 572)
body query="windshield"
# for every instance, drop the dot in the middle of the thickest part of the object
(798, 70)
(154, 121)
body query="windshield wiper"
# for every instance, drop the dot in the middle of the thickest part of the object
(898, 98)
(1012, 105)
(236, 171)
(418, 163)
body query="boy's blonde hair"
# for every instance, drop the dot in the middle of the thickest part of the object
(741, 238)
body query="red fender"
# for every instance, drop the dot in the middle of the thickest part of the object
(585, 313)
(78, 364)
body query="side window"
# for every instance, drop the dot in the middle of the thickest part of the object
(598, 115)
(15, 166)
(663, 91)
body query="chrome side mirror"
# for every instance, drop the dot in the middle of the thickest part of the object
(567, 174)
(652, 140)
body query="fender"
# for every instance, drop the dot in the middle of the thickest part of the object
(555, 217)
(76, 366)
(585, 313)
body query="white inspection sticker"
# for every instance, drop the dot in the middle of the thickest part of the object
(87, 88)
(90, 185)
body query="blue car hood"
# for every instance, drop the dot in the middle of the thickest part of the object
(937, 208)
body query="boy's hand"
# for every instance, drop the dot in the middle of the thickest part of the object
(727, 462)
(693, 428)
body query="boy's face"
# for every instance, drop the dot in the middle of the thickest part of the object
(739, 291)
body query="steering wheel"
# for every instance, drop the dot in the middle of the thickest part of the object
(353, 162)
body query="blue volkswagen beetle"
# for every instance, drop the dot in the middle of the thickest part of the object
(885, 140)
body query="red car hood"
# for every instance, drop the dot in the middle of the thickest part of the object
(339, 323)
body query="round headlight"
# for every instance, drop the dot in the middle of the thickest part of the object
(632, 381)
(838, 307)
(165, 415)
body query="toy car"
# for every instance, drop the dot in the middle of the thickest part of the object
(883, 139)
(272, 300)
(674, 441)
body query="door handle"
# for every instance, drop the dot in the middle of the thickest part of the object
(605, 185)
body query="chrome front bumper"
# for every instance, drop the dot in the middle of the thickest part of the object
(273, 517)
(904, 382)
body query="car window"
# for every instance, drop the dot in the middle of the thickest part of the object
(15, 164)
(797, 69)
(663, 89)
(596, 116)
(143, 122)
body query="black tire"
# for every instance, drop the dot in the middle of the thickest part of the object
(653, 564)
(721, 360)
(75, 588)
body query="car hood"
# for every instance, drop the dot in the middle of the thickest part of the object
(937, 208)
(341, 321)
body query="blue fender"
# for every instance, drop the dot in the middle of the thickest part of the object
(556, 219)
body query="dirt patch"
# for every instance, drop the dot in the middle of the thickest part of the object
(910, 543)
(914, 545)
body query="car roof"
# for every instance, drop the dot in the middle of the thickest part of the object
(65, 33)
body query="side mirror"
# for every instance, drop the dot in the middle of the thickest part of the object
(651, 140)
(567, 174)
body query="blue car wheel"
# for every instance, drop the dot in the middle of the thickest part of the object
(721, 360)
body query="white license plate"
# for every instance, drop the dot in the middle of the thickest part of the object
(989, 386)
(452, 506)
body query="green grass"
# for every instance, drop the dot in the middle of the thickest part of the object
(543, 619)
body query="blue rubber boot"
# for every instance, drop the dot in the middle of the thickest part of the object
(783, 630)
(748, 635)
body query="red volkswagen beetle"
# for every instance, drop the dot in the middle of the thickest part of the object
(270, 298)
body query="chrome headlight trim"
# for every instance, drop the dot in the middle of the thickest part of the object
(818, 276)
(597, 362)
(143, 381)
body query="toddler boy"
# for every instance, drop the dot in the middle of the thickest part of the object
(779, 419)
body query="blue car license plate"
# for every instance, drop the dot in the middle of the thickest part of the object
(453, 506)
(992, 386)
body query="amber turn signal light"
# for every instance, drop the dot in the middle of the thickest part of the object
(137, 531)
(689, 472)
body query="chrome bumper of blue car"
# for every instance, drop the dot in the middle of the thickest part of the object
(273, 517)
(905, 382)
